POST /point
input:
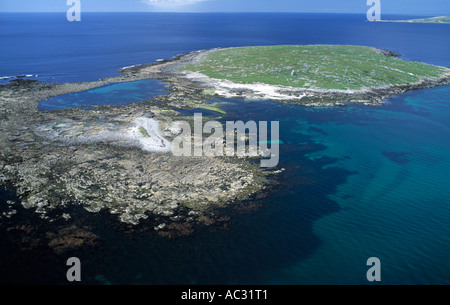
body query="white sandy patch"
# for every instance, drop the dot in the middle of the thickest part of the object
(228, 88)
(225, 87)
(76, 133)
(155, 141)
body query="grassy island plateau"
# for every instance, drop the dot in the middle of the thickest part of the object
(311, 74)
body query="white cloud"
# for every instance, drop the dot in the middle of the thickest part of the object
(171, 3)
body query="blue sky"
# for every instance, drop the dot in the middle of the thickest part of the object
(408, 7)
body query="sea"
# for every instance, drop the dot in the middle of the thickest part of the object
(359, 181)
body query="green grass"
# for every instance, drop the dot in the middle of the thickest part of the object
(209, 92)
(316, 66)
(212, 107)
(144, 132)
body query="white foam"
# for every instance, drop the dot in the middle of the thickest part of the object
(127, 67)
(19, 76)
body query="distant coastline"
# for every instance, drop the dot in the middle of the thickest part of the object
(439, 19)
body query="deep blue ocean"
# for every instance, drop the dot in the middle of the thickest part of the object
(360, 181)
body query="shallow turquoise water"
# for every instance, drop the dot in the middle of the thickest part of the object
(360, 182)
(120, 94)
(395, 205)
(378, 188)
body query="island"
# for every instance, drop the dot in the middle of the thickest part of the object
(439, 19)
(114, 159)
(310, 75)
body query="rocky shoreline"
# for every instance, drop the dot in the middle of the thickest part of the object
(50, 170)
(371, 96)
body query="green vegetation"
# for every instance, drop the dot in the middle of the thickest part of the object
(144, 132)
(315, 66)
(441, 19)
(212, 107)
(209, 92)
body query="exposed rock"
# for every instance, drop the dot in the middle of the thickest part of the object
(71, 238)
(52, 162)
(175, 230)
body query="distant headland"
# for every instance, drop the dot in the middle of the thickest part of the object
(439, 19)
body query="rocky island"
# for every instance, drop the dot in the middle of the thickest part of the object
(312, 75)
(107, 159)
